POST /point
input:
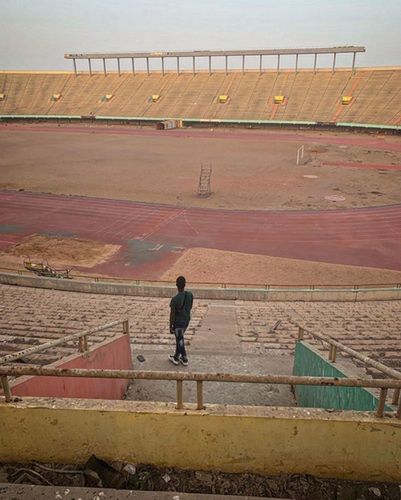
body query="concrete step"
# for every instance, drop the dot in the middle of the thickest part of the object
(219, 329)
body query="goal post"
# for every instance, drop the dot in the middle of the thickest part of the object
(300, 154)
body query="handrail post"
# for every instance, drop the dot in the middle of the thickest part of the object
(6, 388)
(398, 414)
(199, 394)
(180, 404)
(300, 333)
(83, 344)
(333, 353)
(382, 402)
(396, 396)
(126, 327)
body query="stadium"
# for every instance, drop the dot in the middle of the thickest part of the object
(276, 191)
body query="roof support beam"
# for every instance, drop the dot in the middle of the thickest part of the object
(216, 53)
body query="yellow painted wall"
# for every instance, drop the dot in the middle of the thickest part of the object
(233, 439)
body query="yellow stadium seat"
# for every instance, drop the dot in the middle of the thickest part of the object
(223, 98)
(155, 97)
(2, 97)
(346, 99)
(279, 99)
(107, 97)
(55, 97)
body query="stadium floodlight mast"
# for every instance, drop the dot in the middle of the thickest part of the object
(214, 53)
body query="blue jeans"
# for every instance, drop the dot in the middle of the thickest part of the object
(179, 343)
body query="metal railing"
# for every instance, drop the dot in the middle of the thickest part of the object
(179, 377)
(335, 346)
(82, 338)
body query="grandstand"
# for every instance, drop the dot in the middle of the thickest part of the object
(310, 96)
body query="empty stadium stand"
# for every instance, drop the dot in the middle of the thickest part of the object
(309, 96)
(33, 316)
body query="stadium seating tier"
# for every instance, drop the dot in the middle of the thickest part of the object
(308, 96)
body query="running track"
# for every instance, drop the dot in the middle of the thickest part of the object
(153, 236)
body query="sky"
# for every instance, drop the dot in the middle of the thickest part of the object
(35, 34)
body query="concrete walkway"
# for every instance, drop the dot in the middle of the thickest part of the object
(216, 392)
(216, 347)
(218, 332)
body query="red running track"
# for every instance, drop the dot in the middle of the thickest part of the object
(153, 236)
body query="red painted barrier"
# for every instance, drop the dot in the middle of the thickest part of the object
(109, 354)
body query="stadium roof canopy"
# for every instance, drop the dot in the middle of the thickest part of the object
(215, 53)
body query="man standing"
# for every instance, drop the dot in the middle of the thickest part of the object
(180, 316)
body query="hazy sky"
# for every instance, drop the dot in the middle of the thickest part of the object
(35, 34)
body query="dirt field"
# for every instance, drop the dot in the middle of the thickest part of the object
(200, 265)
(57, 251)
(251, 169)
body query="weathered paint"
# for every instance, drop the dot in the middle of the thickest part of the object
(109, 354)
(309, 362)
(227, 438)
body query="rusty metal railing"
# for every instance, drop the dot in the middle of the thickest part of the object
(82, 338)
(179, 377)
(335, 345)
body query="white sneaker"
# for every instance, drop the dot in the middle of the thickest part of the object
(174, 360)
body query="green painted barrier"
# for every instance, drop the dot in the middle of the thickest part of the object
(311, 363)
(211, 121)
(40, 117)
(369, 126)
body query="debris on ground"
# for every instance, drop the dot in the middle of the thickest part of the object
(120, 475)
(275, 326)
(43, 269)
